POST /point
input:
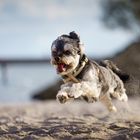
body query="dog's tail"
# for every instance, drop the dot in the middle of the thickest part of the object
(109, 64)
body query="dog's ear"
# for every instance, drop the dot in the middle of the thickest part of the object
(74, 35)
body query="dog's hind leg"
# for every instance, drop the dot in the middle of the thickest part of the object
(120, 93)
(106, 100)
(122, 96)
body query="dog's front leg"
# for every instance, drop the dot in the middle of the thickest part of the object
(69, 91)
(106, 100)
(62, 97)
(64, 93)
(84, 89)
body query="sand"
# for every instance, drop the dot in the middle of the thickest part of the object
(76, 120)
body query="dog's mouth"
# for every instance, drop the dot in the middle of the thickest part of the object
(62, 67)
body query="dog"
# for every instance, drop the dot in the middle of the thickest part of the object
(84, 77)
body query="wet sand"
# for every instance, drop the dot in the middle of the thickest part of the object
(76, 120)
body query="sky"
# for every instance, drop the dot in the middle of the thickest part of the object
(28, 27)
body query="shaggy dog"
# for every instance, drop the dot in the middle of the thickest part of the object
(83, 77)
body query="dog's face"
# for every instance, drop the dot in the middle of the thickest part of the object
(66, 52)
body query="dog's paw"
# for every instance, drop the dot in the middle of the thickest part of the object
(124, 98)
(112, 109)
(62, 98)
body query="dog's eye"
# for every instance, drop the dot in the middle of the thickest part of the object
(67, 52)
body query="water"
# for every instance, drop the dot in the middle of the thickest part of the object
(23, 80)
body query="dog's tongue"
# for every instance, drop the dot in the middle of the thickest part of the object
(61, 67)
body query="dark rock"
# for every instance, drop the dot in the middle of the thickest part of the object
(129, 61)
(49, 92)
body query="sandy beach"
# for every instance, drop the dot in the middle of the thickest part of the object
(76, 120)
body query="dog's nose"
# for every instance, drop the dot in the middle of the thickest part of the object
(57, 58)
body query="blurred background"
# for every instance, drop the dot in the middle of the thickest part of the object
(108, 29)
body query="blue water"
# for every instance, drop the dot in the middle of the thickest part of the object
(24, 80)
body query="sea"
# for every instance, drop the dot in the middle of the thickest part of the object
(18, 82)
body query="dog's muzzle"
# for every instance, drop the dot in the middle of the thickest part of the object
(61, 67)
(57, 59)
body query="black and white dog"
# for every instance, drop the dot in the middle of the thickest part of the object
(83, 77)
